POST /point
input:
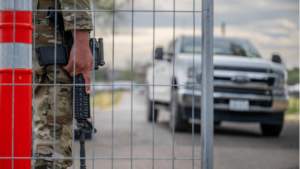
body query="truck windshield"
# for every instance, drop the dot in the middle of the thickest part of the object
(222, 46)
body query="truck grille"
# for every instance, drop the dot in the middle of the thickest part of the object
(242, 91)
(270, 81)
(243, 69)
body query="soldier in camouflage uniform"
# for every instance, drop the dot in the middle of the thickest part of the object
(44, 95)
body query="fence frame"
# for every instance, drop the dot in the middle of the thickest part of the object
(206, 87)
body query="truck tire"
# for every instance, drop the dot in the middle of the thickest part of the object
(271, 130)
(180, 124)
(150, 117)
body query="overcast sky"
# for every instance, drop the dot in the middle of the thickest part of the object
(271, 25)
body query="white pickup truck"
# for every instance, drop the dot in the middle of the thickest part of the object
(247, 88)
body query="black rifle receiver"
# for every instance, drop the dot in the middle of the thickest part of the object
(45, 55)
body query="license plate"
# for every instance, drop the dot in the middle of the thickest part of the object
(239, 105)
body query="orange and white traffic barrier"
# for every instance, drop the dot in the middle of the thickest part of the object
(15, 83)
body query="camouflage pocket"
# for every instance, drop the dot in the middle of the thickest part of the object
(44, 144)
(64, 105)
(47, 152)
(44, 141)
(44, 97)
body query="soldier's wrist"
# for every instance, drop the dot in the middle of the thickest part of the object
(82, 37)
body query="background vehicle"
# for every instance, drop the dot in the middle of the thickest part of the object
(247, 88)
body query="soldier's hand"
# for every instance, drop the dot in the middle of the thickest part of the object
(83, 60)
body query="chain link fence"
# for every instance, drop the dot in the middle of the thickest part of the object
(106, 11)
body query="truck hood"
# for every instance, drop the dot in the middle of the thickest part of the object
(230, 61)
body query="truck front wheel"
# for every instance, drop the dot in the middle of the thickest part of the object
(180, 124)
(150, 116)
(271, 130)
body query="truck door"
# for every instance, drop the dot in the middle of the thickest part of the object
(163, 76)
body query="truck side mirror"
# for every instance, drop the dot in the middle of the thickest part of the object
(159, 53)
(276, 59)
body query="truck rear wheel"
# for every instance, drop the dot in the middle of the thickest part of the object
(150, 117)
(180, 124)
(271, 130)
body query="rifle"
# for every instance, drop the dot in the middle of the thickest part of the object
(45, 56)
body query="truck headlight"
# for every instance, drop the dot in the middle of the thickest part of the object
(194, 74)
(191, 73)
(282, 80)
(282, 87)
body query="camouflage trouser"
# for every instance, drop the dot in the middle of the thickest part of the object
(44, 101)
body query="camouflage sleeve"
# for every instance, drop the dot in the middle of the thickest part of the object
(83, 19)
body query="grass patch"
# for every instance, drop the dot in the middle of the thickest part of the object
(104, 99)
(293, 106)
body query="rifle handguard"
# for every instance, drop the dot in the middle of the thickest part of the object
(82, 100)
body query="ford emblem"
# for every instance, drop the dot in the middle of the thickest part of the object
(240, 79)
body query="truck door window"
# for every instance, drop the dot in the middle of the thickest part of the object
(170, 51)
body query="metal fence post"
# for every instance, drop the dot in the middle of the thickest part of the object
(207, 86)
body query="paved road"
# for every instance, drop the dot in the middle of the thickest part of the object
(236, 145)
